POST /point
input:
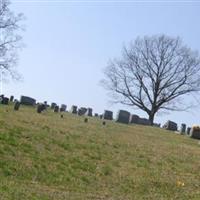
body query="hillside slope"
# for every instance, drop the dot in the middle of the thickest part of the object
(43, 156)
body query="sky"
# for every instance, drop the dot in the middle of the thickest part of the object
(69, 43)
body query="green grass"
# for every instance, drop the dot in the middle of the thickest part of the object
(45, 157)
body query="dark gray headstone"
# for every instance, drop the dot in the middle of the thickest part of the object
(16, 105)
(63, 108)
(100, 116)
(74, 109)
(170, 125)
(188, 130)
(27, 101)
(108, 115)
(195, 132)
(134, 119)
(96, 115)
(56, 108)
(53, 105)
(82, 111)
(156, 125)
(123, 116)
(89, 112)
(144, 121)
(183, 128)
(11, 98)
(41, 107)
(5, 101)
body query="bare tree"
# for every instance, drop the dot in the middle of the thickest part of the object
(153, 73)
(10, 40)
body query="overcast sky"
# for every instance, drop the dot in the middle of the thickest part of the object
(69, 43)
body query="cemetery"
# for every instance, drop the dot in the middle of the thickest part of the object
(122, 116)
(92, 149)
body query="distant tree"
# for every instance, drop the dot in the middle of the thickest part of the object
(10, 40)
(153, 73)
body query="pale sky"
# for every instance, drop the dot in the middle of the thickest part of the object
(68, 44)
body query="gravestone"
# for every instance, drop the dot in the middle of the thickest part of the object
(53, 105)
(82, 111)
(144, 121)
(108, 115)
(11, 98)
(63, 108)
(134, 119)
(96, 115)
(195, 132)
(56, 109)
(123, 116)
(74, 109)
(5, 100)
(156, 125)
(183, 128)
(41, 107)
(16, 105)
(170, 125)
(27, 101)
(89, 112)
(188, 130)
(100, 116)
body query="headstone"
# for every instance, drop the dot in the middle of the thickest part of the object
(63, 108)
(188, 130)
(89, 112)
(195, 132)
(41, 107)
(16, 105)
(144, 121)
(53, 105)
(56, 108)
(74, 109)
(156, 125)
(170, 125)
(27, 101)
(82, 111)
(183, 128)
(108, 115)
(134, 119)
(11, 98)
(96, 115)
(5, 100)
(123, 116)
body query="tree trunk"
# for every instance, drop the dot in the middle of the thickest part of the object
(151, 118)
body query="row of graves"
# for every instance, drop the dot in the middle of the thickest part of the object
(123, 116)
(193, 131)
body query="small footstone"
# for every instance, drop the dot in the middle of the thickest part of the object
(61, 116)
(104, 123)
(86, 120)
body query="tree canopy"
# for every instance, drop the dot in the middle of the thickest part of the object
(153, 73)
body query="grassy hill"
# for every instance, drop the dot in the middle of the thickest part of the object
(43, 156)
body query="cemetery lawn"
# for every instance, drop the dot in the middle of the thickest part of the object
(45, 157)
